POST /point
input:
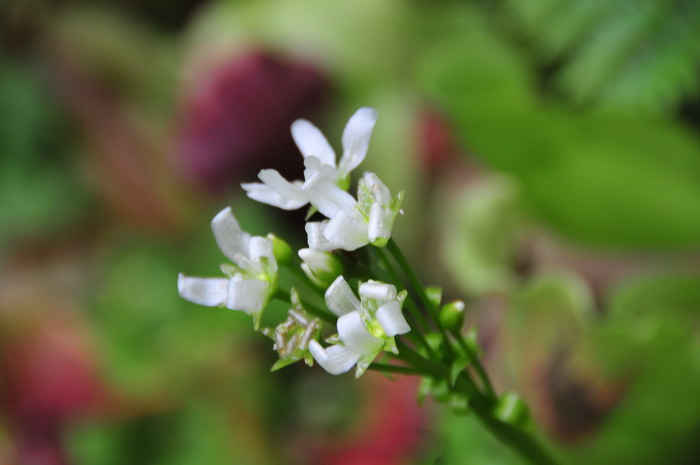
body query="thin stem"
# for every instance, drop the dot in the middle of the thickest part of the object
(415, 314)
(525, 444)
(309, 307)
(522, 442)
(412, 277)
(417, 287)
(399, 369)
(482, 404)
(395, 277)
(476, 363)
(407, 354)
(295, 269)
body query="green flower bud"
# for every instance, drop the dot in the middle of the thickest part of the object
(320, 267)
(452, 316)
(511, 409)
(280, 249)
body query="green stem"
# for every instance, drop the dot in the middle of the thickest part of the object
(417, 315)
(412, 278)
(476, 363)
(404, 370)
(481, 404)
(408, 355)
(417, 320)
(296, 270)
(525, 444)
(309, 307)
(417, 288)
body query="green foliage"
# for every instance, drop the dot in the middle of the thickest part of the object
(480, 235)
(651, 338)
(195, 434)
(461, 439)
(613, 180)
(40, 189)
(640, 55)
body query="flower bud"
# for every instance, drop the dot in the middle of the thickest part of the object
(511, 409)
(320, 267)
(452, 316)
(280, 250)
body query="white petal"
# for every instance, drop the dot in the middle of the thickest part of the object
(355, 336)
(347, 230)
(314, 169)
(379, 190)
(381, 221)
(316, 239)
(377, 290)
(265, 194)
(340, 299)
(232, 241)
(335, 359)
(283, 187)
(203, 291)
(312, 142)
(356, 138)
(248, 295)
(392, 320)
(328, 198)
(261, 248)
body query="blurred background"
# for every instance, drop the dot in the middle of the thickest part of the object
(550, 155)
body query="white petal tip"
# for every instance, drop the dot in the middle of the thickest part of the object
(222, 215)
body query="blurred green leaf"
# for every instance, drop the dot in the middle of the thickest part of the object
(201, 432)
(41, 192)
(634, 56)
(621, 181)
(481, 234)
(460, 439)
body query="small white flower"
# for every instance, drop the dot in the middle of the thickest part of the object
(366, 326)
(320, 162)
(252, 276)
(353, 223)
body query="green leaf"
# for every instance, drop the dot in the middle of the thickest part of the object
(457, 367)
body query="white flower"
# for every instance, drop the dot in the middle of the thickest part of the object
(366, 326)
(252, 278)
(354, 223)
(320, 162)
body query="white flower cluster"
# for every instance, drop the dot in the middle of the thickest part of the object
(365, 326)
(351, 223)
(251, 278)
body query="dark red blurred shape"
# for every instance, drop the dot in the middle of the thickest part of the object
(437, 144)
(49, 378)
(237, 119)
(391, 429)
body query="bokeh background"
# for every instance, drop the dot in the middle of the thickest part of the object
(550, 154)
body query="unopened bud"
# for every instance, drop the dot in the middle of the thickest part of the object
(452, 316)
(320, 267)
(280, 249)
(511, 409)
